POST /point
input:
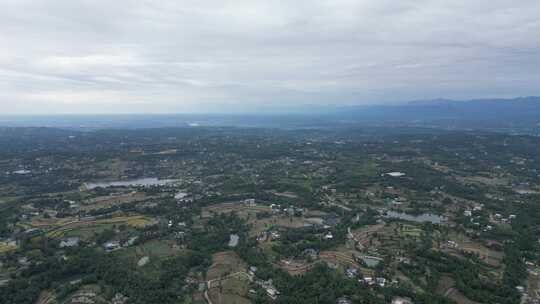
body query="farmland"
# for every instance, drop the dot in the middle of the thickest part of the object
(264, 217)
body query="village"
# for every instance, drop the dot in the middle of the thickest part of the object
(385, 225)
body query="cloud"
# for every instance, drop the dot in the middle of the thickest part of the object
(211, 56)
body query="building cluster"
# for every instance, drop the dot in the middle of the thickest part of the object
(266, 285)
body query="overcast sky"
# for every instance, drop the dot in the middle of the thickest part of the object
(153, 56)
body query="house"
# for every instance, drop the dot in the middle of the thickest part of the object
(262, 237)
(329, 236)
(343, 300)
(331, 220)
(404, 260)
(202, 286)
(180, 195)
(113, 245)
(252, 270)
(32, 231)
(275, 208)
(250, 202)
(352, 272)
(119, 299)
(451, 244)
(380, 281)
(69, 242)
(131, 241)
(73, 204)
(84, 298)
(289, 211)
(183, 198)
(395, 174)
(494, 245)
(272, 292)
(274, 235)
(180, 234)
(310, 253)
(367, 280)
(143, 261)
(400, 300)
(233, 240)
(23, 261)
(268, 286)
(22, 172)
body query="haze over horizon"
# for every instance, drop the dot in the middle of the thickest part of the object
(239, 56)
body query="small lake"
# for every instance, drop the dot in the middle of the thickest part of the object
(424, 217)
(141, 182)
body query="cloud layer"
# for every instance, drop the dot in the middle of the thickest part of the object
(224, 56)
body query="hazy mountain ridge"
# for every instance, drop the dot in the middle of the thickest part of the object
(444, 108)
(509, 115)
(523, 112)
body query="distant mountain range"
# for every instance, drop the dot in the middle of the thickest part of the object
(523, 112)
(518, 115)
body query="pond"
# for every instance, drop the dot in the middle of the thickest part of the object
(424, 217)
(141, 182)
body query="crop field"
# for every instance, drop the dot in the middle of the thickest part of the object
(136, 221)
(225, 263)
(227, 279)
(232, 290)
(157, 248)
(365, 235)
(46, 298)
(6, 248)
(446, 288)
(295, 267)
(109, 201)
(341, 258)
(533, 284)
(154, 215)
(45, 223)
(87, 294)
(240, 208)
(410, 231)
(490, 257)
(86, 229)
(260, 225)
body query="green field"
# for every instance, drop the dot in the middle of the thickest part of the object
(6, 248)
(86, 230)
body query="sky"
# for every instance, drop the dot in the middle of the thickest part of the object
(255, 56)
